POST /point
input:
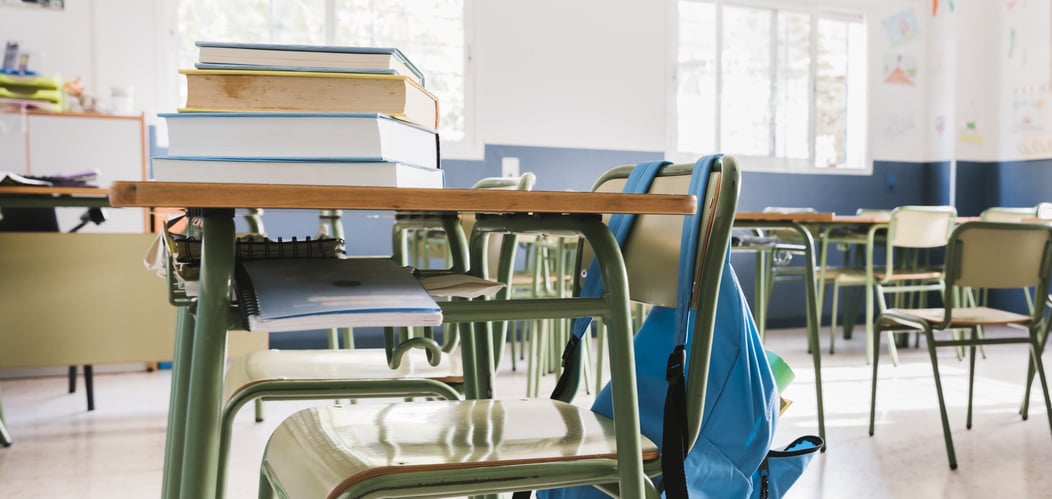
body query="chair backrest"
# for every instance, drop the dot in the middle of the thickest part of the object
(653, 246)
(1005, 214)
(1043, 211)
(524, 182)
(652, 252)
(999, 255)
(921, 226)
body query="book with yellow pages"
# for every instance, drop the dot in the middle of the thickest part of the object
(306, 91)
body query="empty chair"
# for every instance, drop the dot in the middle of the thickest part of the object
(1005, 214)
(442, 448)
(909, 228)
(980, 255)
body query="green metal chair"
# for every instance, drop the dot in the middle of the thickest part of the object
(980, 255)
(396, 370)
(909, 228)
(444, 449)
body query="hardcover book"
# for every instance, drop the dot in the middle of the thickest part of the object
(369, 136)
(359, 59)
(306, 171)
(305, 91)
(304, 294)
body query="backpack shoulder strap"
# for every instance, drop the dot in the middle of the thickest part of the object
(620, 224)
(674, 445)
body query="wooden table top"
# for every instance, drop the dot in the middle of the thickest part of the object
(214, 195)
(64, 191)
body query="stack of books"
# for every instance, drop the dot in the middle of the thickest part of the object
(302, 114)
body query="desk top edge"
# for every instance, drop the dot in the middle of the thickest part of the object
(212, 195)
(53, 190)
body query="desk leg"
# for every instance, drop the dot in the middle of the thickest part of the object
(173, 450)
(813, 323)
(204, 403)
(622, 357)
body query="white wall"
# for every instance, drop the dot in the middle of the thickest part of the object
(587, 73)
(593, 74)
(106, 43)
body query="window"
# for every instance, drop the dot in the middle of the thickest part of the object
(781, 89)
(430, 33)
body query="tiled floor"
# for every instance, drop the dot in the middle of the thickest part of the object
(116, 451)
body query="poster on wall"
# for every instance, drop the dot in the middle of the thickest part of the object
(900, 69)
(901, 28)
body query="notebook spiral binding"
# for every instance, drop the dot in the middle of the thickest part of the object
(188, 249)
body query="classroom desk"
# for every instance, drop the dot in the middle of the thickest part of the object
(801, 223)
(194, 413)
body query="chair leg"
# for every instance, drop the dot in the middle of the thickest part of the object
(873, 386)
(950, 454)
(5, 437)
(89, 385)
(971, 382)
(1041, 341)
(1035, 354)
(72, 379)
(266, 490)
(832, 318)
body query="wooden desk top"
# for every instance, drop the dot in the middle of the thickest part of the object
(212, 195)
(42, 191)
(784, 217)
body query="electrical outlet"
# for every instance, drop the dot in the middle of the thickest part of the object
(509, 167)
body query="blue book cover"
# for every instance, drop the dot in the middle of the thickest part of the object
(296, 294)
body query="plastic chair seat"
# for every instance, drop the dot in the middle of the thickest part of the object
(317, 365)
(374, 440)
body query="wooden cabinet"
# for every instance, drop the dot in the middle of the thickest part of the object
(43, 143)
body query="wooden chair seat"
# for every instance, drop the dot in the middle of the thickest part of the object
(367, 441)
(962, 317)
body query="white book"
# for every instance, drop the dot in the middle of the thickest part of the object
(364, 59)
(370, 136)
(311, 171)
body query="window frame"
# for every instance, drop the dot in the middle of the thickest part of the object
(773, 164)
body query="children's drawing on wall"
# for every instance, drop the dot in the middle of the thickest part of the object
(1035, 148)
(901, 28)
(900, 69)
(969, 131)
(940, 125)
(946, 5)
(897, 120)
(1029, 109)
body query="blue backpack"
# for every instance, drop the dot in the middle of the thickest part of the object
(732, 457)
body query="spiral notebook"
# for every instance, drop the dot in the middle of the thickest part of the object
(303, 294)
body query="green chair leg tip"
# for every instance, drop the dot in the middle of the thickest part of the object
(259, 420)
